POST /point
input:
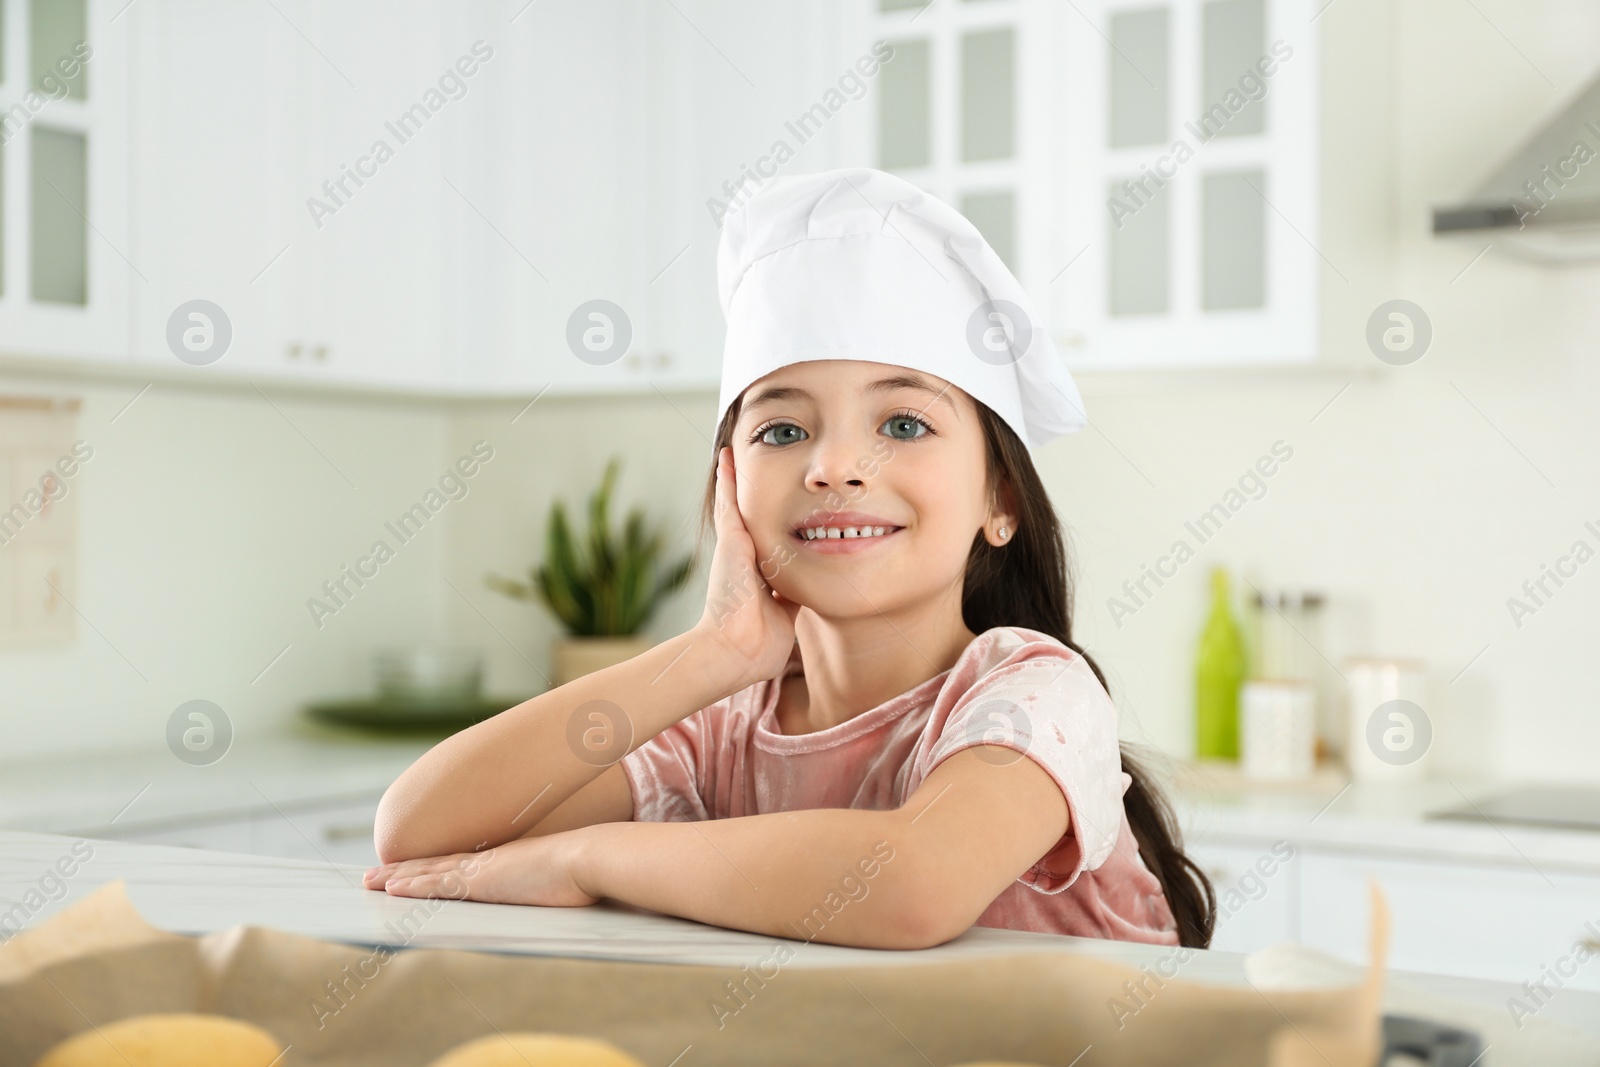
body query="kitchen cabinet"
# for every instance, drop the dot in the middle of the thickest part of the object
(1256, 893)
(334, 831)
(364, 246)
(1147, 169)
(665, 109)
(1510, 902)
(740, 93)
(575, 166)
(213, 121)
(537, 161)
(65, 268)
(546, 184)
(1476, 920)
(1187, 175)
(1455, 916)
(255, 126)
(404, 196)
(221, 835)
(339, 832)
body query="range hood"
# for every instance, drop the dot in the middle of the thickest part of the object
(1543, 202)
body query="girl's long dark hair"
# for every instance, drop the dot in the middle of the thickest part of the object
(1028, 583)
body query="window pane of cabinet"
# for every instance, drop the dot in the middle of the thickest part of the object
(904, 128)
(60, 253)
(1139, 77)
(55, 26)
(1139, 244)
(994, 214)
(1233, 240)
(1235, 37)
(988, 96)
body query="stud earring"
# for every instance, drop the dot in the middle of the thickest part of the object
(1003, 534)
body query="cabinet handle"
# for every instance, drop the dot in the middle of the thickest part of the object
(320, 352)
(663, 359)
(348, 832)
(294, 350)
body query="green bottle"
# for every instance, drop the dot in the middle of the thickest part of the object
(1218, 675)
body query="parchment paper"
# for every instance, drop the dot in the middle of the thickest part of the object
(98, 961)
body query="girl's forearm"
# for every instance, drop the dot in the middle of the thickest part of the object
(837, 875)
(494, 781)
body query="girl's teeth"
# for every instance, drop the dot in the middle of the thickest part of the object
(844, 531)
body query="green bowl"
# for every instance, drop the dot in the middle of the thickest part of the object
(389, 715)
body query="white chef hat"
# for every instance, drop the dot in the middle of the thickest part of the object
(858, 264)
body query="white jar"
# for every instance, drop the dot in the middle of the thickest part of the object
(1277, 729)
(1391, 735)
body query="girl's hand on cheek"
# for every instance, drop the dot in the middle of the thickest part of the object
(744, 615)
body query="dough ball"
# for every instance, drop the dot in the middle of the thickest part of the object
(536, 1050)
(178, 1039)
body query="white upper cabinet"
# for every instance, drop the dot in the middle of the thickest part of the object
(214, 87)
(582, 223)
(475, 199)
(288, 175)
(741, 93)
(402, 195)
(547, 187)
(64, 249)
(1147, 168)
(378, 85)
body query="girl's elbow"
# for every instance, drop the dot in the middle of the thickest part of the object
(917, 922)
(930, 928)
(395, 833)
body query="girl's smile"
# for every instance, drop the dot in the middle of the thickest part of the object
(839, 546)
(836, 532)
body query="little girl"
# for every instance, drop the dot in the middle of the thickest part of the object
(880, 733)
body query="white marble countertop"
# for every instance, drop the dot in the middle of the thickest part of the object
(97, 793)
(1330, 812)
(107, 793)
(190, 891)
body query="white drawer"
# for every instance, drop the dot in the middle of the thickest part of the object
(233, 835)
(1473, 920)
(340, 833)
(1256, 891)
(333, 833)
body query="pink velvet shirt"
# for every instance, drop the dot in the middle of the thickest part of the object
(1011, 686)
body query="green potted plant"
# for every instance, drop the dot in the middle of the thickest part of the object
(602, 589)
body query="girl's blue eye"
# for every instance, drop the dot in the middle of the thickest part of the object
(761, 434)
(899, 418)
(907, 417)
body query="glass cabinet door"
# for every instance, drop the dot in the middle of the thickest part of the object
(1188, 178)
(950, 114)
(1146, 167)
(65, 260)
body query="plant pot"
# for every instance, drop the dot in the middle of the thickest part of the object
(575, 657)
